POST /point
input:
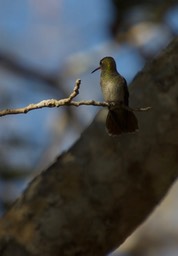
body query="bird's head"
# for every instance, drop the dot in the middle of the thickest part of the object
(106, 64)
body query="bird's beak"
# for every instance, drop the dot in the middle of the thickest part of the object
(95, 69)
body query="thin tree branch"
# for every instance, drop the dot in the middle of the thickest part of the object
(136, 109)
(52, 103)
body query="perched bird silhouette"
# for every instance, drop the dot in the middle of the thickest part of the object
(114, 88)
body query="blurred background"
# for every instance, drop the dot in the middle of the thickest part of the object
(45, 45)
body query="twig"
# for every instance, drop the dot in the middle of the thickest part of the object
(137, 109)
(52, 103)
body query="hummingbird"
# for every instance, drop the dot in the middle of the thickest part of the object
(115, 91)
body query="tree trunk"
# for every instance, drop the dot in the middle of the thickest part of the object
(96, 194)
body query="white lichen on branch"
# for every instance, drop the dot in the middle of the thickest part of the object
(53, 103)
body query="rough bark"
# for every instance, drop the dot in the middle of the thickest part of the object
(95, 195)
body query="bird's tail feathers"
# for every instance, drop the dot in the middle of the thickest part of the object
(121, 121)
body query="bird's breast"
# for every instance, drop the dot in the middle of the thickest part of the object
(112, 89)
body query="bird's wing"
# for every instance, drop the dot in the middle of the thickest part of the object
(126, 93)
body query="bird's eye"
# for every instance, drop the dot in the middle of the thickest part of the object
(100, 62)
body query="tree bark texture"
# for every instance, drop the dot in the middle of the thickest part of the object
(99, 191)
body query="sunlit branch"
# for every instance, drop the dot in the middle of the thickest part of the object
(53, 103)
